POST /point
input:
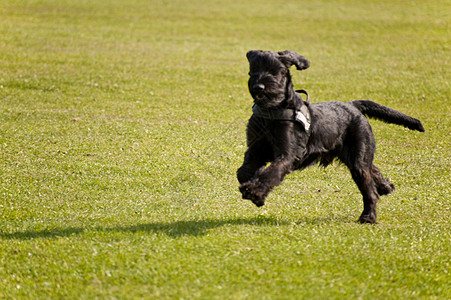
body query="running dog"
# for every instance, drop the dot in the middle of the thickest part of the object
(286, 133)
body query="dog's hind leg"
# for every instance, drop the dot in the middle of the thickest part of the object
(358, 154)
(383, 185)
(364, 180)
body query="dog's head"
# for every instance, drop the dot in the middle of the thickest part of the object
(270, 79)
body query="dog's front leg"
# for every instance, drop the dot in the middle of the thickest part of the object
(253, 161)
(265, 179)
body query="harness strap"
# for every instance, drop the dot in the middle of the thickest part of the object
(304, 92)
(286, 114)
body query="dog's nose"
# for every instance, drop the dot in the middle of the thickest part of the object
(258, 87)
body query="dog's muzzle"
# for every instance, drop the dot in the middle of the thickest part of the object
(258, 91)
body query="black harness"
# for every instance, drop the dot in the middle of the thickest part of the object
(300, 115)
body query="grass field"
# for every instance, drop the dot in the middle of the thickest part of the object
(122, 124)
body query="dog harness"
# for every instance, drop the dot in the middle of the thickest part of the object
(301, 115)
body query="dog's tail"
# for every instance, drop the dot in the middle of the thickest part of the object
(387, 114)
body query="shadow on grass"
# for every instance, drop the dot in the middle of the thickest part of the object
(172, 229)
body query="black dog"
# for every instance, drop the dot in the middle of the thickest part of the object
(290, 134)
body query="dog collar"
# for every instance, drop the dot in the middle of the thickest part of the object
(301, 115)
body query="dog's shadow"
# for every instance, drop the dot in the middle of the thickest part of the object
(171, 229)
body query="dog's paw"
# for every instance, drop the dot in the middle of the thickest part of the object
(251, 192)
(368, 218)
(245, 190)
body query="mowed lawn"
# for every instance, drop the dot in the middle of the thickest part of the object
(122, 124)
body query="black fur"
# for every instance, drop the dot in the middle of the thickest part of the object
(337, 130)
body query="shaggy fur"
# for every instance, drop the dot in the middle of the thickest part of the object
(337, 130)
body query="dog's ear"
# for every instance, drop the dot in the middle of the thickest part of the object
(289, 58)
(252, 54)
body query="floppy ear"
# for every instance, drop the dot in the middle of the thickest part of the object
(252, 54)
(289, 58)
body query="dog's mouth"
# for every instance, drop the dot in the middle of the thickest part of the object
(260, 97)
(266, 101)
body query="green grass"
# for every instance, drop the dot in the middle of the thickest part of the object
(122, 125)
